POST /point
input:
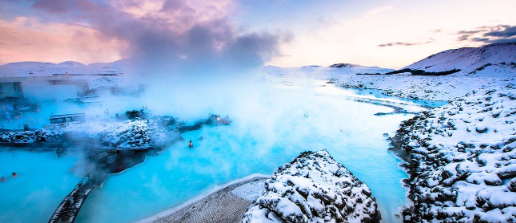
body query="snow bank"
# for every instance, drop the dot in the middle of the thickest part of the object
(313, 188)
(461, 159)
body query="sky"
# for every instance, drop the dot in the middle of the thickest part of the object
(390, 34)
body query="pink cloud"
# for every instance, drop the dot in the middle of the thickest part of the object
(28, 39)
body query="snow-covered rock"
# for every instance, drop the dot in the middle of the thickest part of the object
(36, 136)
(137, 133)
(313, 188)
(462, 159)
(343, 65)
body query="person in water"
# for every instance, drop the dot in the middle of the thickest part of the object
(201, 137)
(3, 179)
(190, 145)
(15, 175)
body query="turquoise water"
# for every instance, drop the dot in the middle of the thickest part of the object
(268, 130)
(347, 129)
(43, 182)
(379, 94)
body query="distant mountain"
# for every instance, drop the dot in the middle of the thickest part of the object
(340, 68)
(26, 69)
(497, 58)
(343, 65)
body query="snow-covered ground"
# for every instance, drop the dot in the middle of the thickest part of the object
(462, 159)
(28, 69)
(313, 188)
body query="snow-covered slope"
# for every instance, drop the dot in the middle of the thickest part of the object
(27, 69)
(462, 159)
(313, 188)
(488, 66)
(469, 59)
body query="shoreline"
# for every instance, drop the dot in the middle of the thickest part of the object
(210, 196)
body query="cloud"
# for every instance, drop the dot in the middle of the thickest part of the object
(489, 34)
(30, 39)
(509, 31)
(63, 6)
(470, 32)
(162, 34)
(405, 43)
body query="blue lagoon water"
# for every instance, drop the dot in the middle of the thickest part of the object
(258, 143)
(266, 133)
(44, 181)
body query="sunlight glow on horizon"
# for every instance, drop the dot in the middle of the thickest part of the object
(322, 33)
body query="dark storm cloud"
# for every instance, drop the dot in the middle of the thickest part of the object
(489, 34)
(405, 43)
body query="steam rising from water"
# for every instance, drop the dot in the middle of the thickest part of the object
(188, 54)
(194, 61)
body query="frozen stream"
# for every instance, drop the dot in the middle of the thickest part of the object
(264, 135)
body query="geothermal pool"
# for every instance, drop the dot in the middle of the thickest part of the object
(268, 132)
(43, 181)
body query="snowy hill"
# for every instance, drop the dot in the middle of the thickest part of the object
(470, 59)
(488, 66)
(313, 188)
(27, 69)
